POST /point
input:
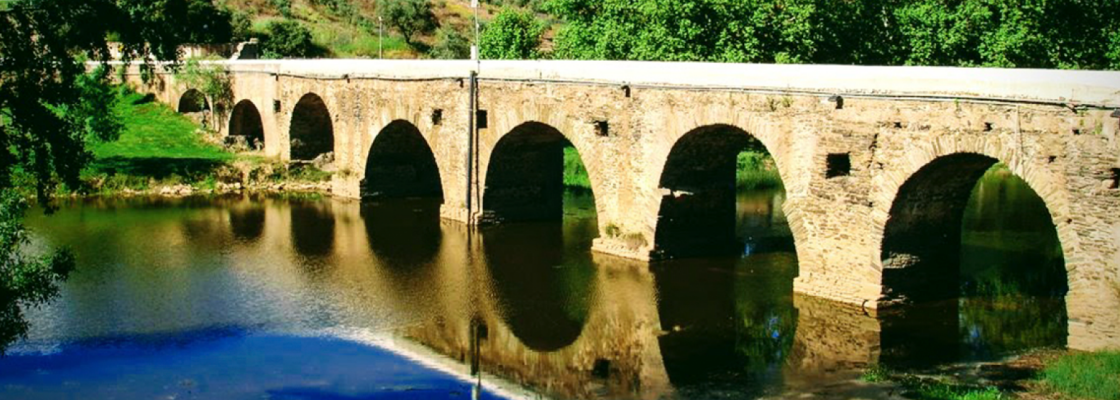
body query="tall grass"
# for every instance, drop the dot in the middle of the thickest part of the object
(756, 170)
(1085, 375)
(575, 175)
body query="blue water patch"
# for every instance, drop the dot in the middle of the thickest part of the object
(223, 364)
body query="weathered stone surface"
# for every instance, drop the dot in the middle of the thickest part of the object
(894, 123)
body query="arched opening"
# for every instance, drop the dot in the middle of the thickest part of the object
(974, 251)
(525, 180)
(722, 197)
(401, 165)
(193, 101)
(312, 132)
(245, 123)
(539, 258)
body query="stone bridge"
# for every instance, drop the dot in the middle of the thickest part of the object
(877, 162)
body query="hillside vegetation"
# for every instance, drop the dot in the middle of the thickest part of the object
(1069, 34)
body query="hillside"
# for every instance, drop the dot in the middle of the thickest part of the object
(348, 28)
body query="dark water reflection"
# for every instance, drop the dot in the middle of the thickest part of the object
(525, 302)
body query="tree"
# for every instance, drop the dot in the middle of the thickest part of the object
(512, 35)
(451, 45)
(408, 17)
(288, 39)
(207, 23)
(998, 33)
(49, 108)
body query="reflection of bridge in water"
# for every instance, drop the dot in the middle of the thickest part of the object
(528, 303)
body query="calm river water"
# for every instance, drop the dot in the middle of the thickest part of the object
(257, 297)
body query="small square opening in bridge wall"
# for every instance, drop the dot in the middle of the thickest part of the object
(838, 164)
(1115, 178)
(437, 116)
(482, 119)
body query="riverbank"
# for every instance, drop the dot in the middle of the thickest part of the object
(1035, 375)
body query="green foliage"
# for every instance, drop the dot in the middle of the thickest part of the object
(288, 39)
(1085, 375)
(1005, 33)
(25, 281)
(212, 81)
(512, 35)
(876, 373)
(451, 45)
(756, 170)
(575, 175)
(941, 391)
(408, 17)
(242, 26)
(50, 107)
(206, 23)
(284, 7)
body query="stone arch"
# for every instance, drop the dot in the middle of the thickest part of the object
(193, 101)
(312, 131)
(524, 178)
(697, 181)
(401, 164)
(245, 121)
(919, 224)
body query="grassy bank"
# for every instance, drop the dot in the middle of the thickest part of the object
(1049, 375)
(1085, 375)
(161, 148)
(755, 170)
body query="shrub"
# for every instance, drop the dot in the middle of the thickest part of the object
(451, 45)
(287, 39)
(512, 35)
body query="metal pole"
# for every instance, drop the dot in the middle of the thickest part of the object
(380, 36)
(476, 51)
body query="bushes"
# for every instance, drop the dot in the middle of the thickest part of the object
(288, 39)
(284, 7)
(512, 35)
(451, 45)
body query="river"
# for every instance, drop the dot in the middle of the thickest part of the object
(250, 297)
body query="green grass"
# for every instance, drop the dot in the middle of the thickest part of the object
(942, 391)
(1085, 375)
(155, 131)
(156, 146)
(876, 373)
(929, 389)
(575, 175)
(756, 170)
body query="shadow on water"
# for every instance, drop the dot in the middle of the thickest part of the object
(403, 233)
(542, 275)
(729, 323)
(312, 229)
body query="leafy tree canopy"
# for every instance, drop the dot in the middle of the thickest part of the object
(408, 17)
(512, 35)
(999, 33)
(50, 107)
